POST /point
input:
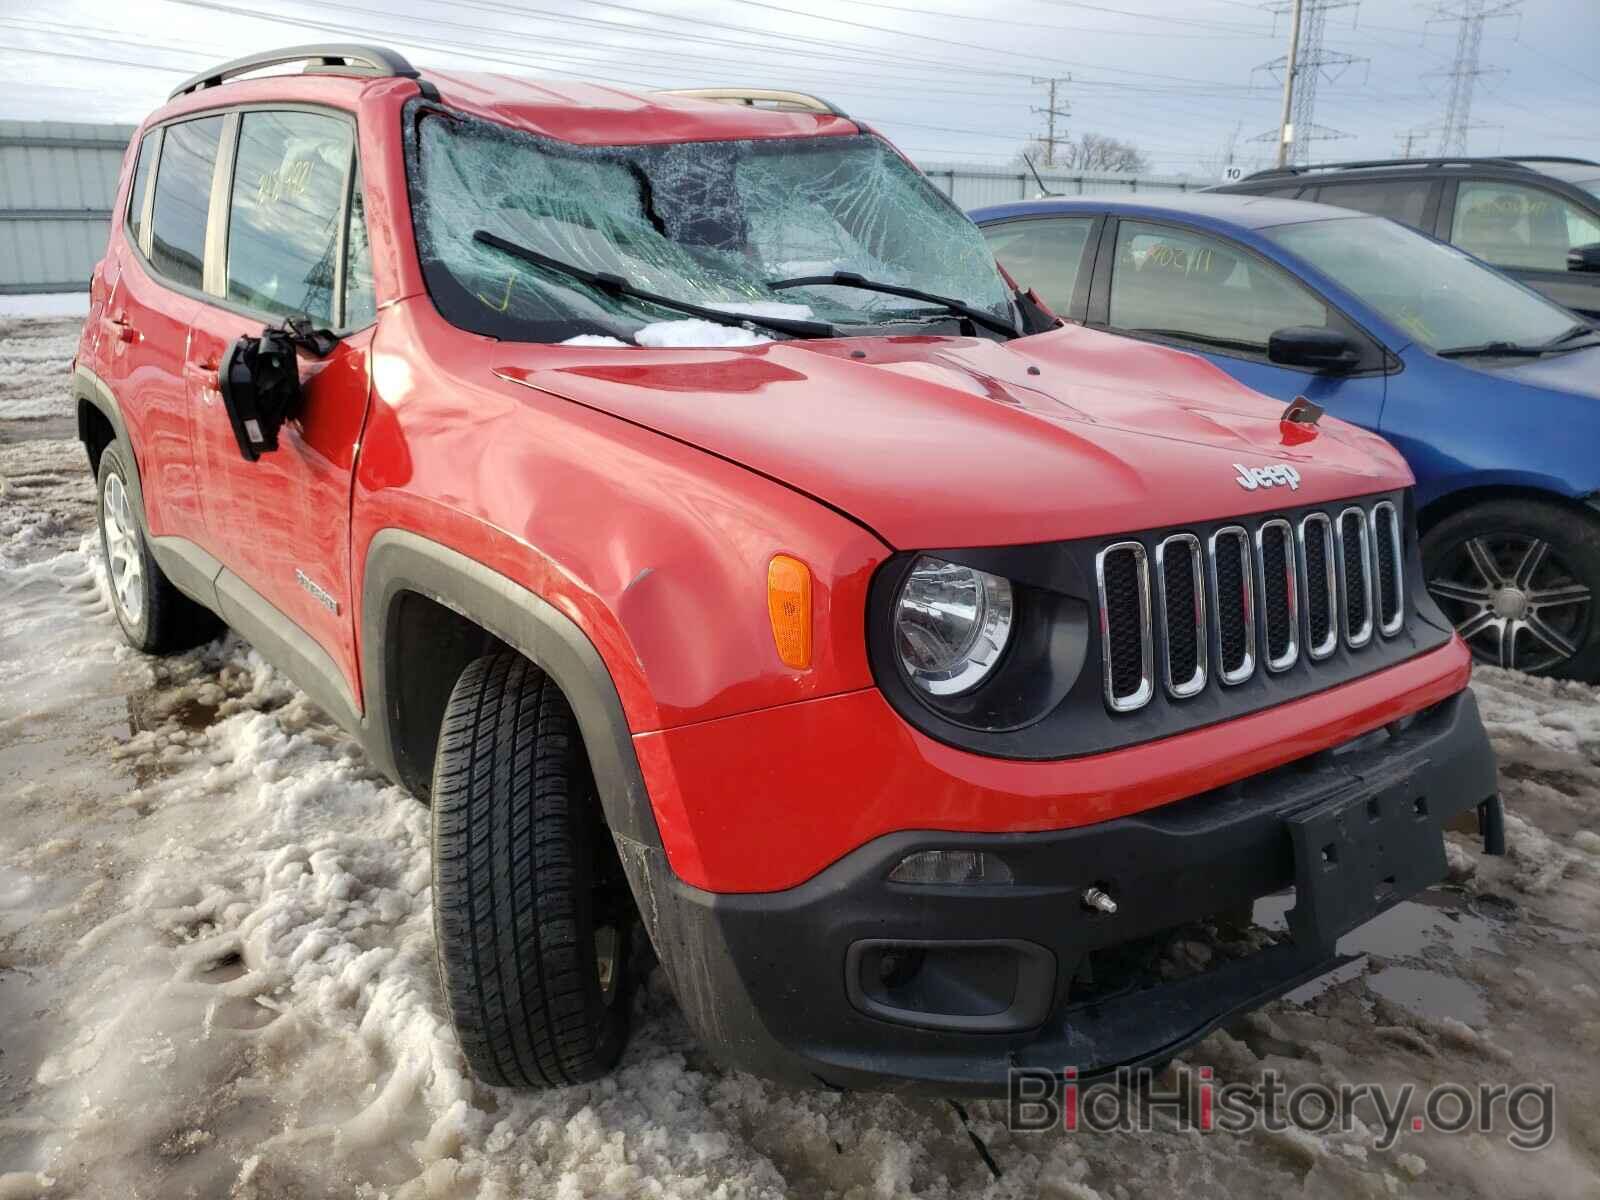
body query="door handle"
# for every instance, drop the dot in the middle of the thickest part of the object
(126, 330)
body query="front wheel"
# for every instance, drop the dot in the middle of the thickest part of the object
(532, 915)
(1518, 578)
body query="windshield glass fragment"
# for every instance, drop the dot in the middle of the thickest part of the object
(708, 223)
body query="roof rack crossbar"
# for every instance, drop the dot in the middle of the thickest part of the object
(1452, 160)
(783, 101)
(340, 58)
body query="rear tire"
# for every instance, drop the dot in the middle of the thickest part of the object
(155, 616)
(532, 916)
(1520, 579)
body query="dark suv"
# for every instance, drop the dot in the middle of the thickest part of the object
(1537, 219)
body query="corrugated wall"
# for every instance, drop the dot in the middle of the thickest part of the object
(973, 187)
(57, 182)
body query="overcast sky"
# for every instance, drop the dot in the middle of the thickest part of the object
(949, 80)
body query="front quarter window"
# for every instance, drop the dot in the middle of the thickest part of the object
(708, 223)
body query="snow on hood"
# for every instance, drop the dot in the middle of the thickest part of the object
(695, 332)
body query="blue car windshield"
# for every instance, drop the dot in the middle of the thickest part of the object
(1441, 297)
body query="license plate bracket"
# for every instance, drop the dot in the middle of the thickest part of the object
(1359, 853)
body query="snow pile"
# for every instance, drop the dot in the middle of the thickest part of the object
(695, 332)
(216, 970)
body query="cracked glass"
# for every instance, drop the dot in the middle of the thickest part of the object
(709, 223)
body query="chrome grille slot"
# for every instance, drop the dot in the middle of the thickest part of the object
(1181, 590)
(1122, 578)
(1388, 565)
(1233, 597)
(1280, 601)
(1355, 576)
(1319, 570)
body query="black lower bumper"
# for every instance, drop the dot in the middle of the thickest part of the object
(853, 981)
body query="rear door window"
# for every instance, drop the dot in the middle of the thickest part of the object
(291, 176)
(1045, 253)
(1513, 225)
(1176, 283)
(183, 199)
(1403, 200)
(136, 193)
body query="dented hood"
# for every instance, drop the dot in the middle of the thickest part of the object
(937, 441)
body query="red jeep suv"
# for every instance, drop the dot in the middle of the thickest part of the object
(671, 491)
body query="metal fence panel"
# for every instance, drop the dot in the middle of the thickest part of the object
(973, 187)
(57, 184)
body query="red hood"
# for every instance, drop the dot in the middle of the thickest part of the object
(953, 442)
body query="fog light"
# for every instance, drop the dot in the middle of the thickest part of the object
(950, 866)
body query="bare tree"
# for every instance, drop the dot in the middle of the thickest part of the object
(1089, 152)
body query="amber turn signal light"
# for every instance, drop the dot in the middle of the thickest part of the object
(789, 606)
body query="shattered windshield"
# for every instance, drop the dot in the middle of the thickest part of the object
(709, 223)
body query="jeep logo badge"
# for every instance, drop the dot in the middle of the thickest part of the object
(1250, 478)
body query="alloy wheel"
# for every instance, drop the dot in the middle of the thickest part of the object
(1513, 600)
(124, 554)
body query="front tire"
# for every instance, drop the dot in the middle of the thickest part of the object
(531, 914)
(155, 616)
(1519, 579)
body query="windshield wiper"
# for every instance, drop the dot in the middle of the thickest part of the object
(616, 285)
(1493, 350)
(1205, 339)
(1571, 335)
(851, 280)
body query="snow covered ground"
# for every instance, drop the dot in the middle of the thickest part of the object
(216, 973)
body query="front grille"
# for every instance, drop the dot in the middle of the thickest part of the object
(1123, 575)
(1321, 575)
(1355, 577)
(1386, 551)
(1243, 595)
(1181, 585)
(1234, 602)
(1280, 607)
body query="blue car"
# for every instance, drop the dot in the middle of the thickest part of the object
(1490, 391)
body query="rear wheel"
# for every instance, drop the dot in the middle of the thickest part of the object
(532, 915)
(155, 616)
(1519, 579)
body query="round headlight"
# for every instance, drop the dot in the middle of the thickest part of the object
(951, 625)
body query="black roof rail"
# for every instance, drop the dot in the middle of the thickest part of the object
(333, 59)
(1453, 160)
(1555, 158)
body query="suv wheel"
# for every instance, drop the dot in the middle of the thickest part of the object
(1519, 579)
(155, 616)
(532, 915)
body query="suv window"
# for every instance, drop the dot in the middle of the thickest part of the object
(1512, 225)
(1403, 200)
(289, 182)
(141, 176)
(1186, 285)
(183, 199)
(1044, 253)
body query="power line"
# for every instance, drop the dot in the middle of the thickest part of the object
(1051, 111)
(1463, 74)
(1308, 62)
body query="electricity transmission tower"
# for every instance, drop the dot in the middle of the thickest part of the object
(1051, 111)
(1307, 64)
(1464, 72)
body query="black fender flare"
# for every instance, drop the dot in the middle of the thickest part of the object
(399, 562)
(89, 388)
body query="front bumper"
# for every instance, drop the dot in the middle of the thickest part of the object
(850, 981)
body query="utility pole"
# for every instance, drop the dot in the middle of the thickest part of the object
(1051, 112)
(1303, 70)
(1464, 72)
(1290, 70)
